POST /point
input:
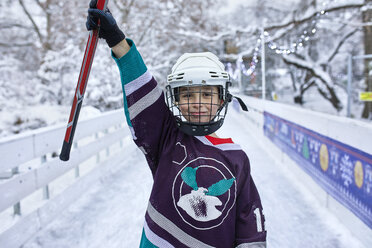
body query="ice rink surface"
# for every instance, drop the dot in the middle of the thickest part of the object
(111, 214)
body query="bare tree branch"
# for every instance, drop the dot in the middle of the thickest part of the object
(118, 6)
(15, 44)
(343, 40)
(308, 84)
(125, 10)
(12, 25)
(320, 75)
(146, 31)
(36, 28)
(301, 64)
(309, 17)
(48, 22)
(41, 5)
(281, 33)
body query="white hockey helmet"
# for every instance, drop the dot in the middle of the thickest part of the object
(193, 70)
(198, 69)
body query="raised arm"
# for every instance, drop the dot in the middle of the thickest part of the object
(109, 29)
(147, 115)
(121, 49)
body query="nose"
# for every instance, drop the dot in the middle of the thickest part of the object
(197, 100)
(195, 104)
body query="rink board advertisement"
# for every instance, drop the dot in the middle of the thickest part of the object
(343, 171)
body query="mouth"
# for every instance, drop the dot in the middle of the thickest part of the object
(198, 114)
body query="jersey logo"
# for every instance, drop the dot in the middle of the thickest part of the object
(204, 192)
(201, 202)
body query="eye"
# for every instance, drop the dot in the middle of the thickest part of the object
(185, 95)
(207, 94)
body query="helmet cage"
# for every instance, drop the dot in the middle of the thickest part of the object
(202, 124)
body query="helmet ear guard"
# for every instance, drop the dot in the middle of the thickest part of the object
(176, 94)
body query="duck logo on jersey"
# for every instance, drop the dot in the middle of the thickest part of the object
(201, 202)
(204, 192)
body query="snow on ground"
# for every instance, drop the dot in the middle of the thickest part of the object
(294, 218)
(111, 214)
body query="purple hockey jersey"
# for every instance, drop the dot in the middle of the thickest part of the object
(203, 194)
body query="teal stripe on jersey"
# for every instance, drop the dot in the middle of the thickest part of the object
(131, 67)
(145, 243)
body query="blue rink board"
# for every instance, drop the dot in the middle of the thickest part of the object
(341, 170)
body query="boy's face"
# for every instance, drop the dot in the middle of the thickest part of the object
(199, 104)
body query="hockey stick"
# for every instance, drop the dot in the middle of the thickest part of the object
(90, 49)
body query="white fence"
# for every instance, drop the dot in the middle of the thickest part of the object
(352, 132)
(35, 185)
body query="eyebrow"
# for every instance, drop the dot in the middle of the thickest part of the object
(193, 89)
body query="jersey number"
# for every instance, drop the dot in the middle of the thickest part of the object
(258, 215)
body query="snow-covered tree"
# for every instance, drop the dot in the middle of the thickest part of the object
(315, 59)
(367, 18)
(43, 41)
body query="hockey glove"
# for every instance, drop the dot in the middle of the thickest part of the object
(109, 29)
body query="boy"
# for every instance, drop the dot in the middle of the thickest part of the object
(203, 194)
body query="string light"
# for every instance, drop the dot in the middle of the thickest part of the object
(240, 66)
(300, 42)
(305, 35)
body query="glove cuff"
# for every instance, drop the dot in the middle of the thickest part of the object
(115, 37)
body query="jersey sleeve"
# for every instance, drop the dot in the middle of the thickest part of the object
(147, 115)
(250, 220)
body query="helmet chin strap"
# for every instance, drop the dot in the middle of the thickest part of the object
(199, 129)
